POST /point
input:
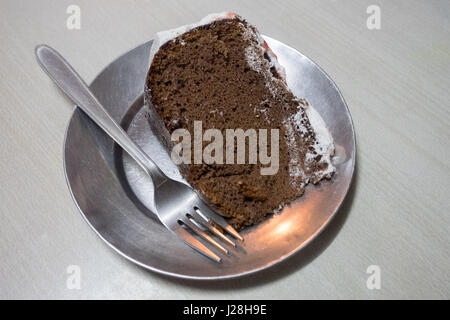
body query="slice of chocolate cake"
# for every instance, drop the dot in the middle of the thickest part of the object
(221, 72)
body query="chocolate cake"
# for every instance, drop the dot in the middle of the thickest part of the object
(221, 72)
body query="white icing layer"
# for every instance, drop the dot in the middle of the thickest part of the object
(324, 146)
(266, 49)
(323, 135)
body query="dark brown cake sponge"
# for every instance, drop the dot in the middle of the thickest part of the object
(219, 74)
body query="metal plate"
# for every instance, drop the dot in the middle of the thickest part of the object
(113, 194)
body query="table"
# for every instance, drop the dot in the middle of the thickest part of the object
(396, 81)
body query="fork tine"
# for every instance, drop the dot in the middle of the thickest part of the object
(234, 233)
(200, 219)
(204, 235)
(208, 213)
(220, 234)
(195, 244)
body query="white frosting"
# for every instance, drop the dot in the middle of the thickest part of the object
(252, 57)
(325, 146)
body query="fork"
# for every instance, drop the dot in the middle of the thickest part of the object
(178, 207)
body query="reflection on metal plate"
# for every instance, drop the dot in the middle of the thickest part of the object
(113, 194)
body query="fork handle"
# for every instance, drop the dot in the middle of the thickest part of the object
(68, 80)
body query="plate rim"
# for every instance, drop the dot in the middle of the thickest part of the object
(237, 275)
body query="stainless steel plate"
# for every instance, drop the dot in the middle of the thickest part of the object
(114, 195)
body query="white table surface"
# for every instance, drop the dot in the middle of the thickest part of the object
(396, 82)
